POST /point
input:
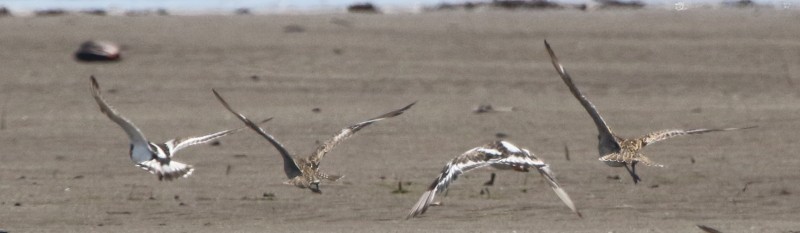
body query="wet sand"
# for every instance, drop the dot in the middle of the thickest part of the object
(64, 165)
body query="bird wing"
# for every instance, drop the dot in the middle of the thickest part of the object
(289, 165)
(671, 133)
(548, 176)
(177, 144)
(475, 158)
(134, 134)
(345, 133)
(606, 137)
(521, 158)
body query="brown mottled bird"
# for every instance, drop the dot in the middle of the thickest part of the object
(501, 155)
(304, 172)
(617, 151)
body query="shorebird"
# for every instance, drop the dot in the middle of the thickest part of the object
(617, 151)
(155, 158)
(304, 172)
(501, 155)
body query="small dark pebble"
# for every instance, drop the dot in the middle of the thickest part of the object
(21, 178)
(383, 177)
(654, 186)
(181, 204)
(316, 110)
(524, 190)
(268, 195)
(614, 177)
(17, 204)
(151, 198)
(78, 177)
(501, 135)
(338, 51)
(692, 160)
(207, 224)
(785, 192)
(255, 78)
(177, 197)
(100, 225)
(215, 143)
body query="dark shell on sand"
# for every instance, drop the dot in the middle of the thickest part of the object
(98, 51)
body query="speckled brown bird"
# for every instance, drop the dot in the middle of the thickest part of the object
(304, 172)
(617, 151)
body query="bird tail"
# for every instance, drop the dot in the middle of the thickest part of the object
(167, 171)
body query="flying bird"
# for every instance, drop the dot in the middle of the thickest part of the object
(304, 172)
(155, 158)
(617, 151)
(501, 155)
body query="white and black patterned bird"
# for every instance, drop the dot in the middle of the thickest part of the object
(304, 172)
(156, 158)
(500, 155)
(617, 151)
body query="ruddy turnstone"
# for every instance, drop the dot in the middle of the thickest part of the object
(616, 151)
(500, 155)
(154, 157)
(304, 172)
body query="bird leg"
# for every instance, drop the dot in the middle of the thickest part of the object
(632, 171)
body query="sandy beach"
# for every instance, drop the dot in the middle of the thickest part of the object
(64, 166)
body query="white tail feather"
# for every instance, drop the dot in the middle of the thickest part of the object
(168, 171)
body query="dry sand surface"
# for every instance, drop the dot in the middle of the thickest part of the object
(64, 166)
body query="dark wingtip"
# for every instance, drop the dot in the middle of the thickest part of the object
(708, 229)
(265, 120)
(550, 51)
(94, 82)
(408, 106)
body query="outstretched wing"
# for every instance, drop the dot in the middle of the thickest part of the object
(326, 147)
(134, 134)
(606, 138)
(522, 159)
(548, 176)
(551, 180)
(667, 134)
(177, 144)
(289, 166)
(475, 158)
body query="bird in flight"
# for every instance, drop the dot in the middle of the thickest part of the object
(501, 155)
(616, 151)
(304, 172)
(155, 158)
